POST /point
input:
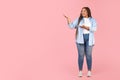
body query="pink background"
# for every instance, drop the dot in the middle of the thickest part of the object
(37, 44)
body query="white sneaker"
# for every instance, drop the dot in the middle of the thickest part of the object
(80, 74)
(89, 74)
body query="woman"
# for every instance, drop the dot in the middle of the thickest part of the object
(85, 27)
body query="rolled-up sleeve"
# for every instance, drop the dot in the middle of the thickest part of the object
(93, 27)
(73, 24)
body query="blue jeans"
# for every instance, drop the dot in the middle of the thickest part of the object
(84, 49)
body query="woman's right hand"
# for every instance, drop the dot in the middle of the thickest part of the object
(68, 19)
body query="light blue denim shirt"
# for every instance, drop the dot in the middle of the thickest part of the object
(93, 28)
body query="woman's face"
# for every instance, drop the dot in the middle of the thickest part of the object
(84, 12)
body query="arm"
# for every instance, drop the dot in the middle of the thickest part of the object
(85, 27)
(73, 24)
(91, 28)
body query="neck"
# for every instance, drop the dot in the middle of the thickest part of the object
(85, 16)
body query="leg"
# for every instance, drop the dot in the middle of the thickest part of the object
(80, 48)
(88, 52)
(89, 57)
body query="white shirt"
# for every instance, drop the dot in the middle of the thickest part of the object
(86, 23)
(92, 29)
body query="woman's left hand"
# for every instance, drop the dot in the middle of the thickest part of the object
(82, 26)
(85, 27)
